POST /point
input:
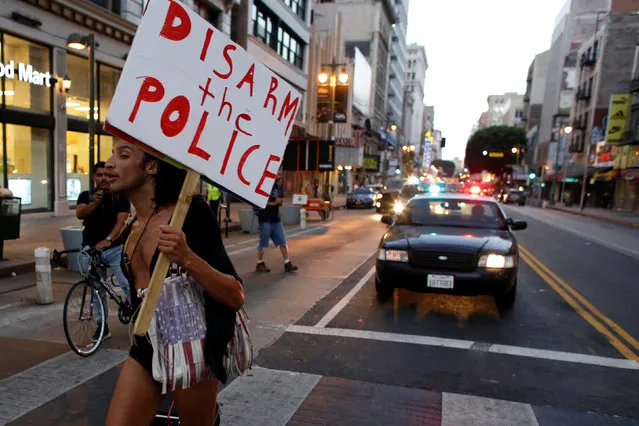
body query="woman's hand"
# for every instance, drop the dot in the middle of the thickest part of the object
(173, 244)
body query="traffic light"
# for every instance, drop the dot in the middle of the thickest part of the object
(532, 175)
(443, 144)
(397, 170)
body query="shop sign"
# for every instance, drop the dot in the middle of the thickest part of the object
(618, 113)
(216, 110)
(371, 163)
(25, 73)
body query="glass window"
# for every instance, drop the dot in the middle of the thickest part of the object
(108, 79)
(26, 79)
(262, 25)
(27, 162)
(456, 213)
(298, 7)
(289, 47)
(77, 164)
(78, 96)
(106, 145)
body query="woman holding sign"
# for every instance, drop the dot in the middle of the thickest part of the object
(197, 250)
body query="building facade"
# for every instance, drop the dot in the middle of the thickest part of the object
(505, 110)
(606, 67)
(398, 61)
(414, 88)
(533, 102)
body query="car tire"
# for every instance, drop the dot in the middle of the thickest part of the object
(506, 301)
(383, 292)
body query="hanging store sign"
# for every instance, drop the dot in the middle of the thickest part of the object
(618, 113)
(26, 73)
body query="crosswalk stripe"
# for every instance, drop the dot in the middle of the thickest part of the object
(34, 387)
(467, 410)
(265, 397)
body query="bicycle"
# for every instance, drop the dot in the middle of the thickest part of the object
(85, 295)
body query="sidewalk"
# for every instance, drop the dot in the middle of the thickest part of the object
(45, 232)
(613, 216)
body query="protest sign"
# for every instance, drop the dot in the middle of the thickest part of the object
(188, 94)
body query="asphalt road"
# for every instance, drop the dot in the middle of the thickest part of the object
(329, 353)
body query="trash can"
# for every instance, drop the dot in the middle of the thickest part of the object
(290, 215)
(249, 222)
(10, 211)
(72, 240)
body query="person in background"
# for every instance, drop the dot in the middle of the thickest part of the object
(213, 196)
(103, 215)
(271, 228)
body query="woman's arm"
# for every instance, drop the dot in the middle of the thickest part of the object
(222, 287)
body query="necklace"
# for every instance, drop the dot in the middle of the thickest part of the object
(126, 257)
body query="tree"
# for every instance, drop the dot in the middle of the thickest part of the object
(495, 139)
(447, 166)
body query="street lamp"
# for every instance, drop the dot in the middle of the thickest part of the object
(484, 153)
(80, 42)
(565, 130)
(514, 150)
(332, 79)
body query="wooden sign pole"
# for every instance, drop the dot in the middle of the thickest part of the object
(163, 263)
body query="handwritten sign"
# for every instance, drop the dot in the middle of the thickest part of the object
(190, 93)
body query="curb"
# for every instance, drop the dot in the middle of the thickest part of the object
(593, 216)
(26, 267)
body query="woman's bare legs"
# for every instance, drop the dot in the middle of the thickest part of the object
(136, 399)
(196, 405)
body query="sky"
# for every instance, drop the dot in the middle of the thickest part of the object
(475, 49)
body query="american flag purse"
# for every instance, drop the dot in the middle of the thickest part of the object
(178, 334)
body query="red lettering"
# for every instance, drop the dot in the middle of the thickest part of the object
(150, 91)
(248, 78)
(225, 103)
(172, 31)
(228, 48)
(205, 91)
(207, 41)
(244, 117)
(240, 166)
(287, 107)
(270, 95)
(179, 104)
(194, 149)
(266, 174)
(228, 152)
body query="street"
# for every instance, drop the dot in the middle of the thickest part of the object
(330, 353)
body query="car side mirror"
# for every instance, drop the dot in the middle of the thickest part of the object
(387, 219)
(517, 225)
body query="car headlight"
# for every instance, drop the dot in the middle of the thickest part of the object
(398, 207)
(378, 196)
(392, 255)
(378, 204)
(497, 261)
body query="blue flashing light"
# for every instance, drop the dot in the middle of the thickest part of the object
(434, 189)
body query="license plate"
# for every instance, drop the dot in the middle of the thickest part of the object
(440, 281)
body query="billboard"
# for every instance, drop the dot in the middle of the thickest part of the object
(618, 113)
(362, 80)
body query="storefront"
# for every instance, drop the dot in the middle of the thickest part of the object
(627, 191)
(28, 87)
(26, 121)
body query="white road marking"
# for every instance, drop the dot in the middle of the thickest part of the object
(34, 387)
(467, 410)
(265, 397)
(551, 355)
(607, 244)
(330, 315)
(290, 235)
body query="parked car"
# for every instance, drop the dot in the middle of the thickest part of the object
(361, 197)
(450, 243)
(514, 196)
(385, 201)
(407, 192)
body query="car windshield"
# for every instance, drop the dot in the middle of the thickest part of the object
(409, 191)
(394, 184)
(467, 213)
(363, 191)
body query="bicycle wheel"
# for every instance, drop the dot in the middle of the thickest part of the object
(82, 309)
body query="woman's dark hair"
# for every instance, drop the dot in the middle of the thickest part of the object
(168, 182)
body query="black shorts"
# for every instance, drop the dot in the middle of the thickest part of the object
(142, 352)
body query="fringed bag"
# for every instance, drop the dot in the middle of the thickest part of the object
(239, 352)
(178, 334)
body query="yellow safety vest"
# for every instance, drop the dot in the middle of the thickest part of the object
(213, 193)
